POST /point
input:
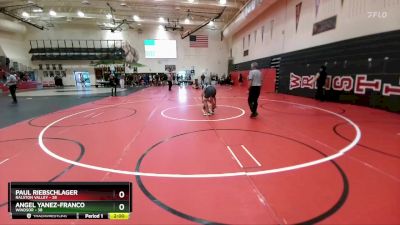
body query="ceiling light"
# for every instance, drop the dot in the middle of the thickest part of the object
(37, 10)
(211, 23)
(160, 27)
(25, 14)
(222, 2)
(85, 2)
(161, 20)
(122, 4)
(139, 24)
(187, 21)
(81, 14)
(109, 16)
(136, 18)
(190, 1)
(52, 13)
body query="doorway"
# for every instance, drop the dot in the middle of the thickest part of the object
(82, 79)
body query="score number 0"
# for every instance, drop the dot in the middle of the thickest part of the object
(121, 195)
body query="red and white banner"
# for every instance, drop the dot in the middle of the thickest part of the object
(272, 27)
(358, 84)
(298, 11)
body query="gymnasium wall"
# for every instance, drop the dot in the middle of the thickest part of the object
(362, 55)
(363, 71)
(213, 58)
(274, 31)
(69, 66)
(14, 47)
(268, 85)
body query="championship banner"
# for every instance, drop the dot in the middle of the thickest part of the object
(324, 25)
(262, 34)
(272, 27)
(317, 2)
(298, 11)
(131, 55)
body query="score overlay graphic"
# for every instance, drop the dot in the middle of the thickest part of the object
(70, 200)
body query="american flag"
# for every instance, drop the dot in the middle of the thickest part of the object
(198, 41)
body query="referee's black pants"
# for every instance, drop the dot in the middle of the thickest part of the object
(13, 89)
(254, 93)
(320, 95)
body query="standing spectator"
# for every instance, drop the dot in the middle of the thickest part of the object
(150, 80)
(162, 79)
(202, 80)
(82, 80)
(140, 80)
(223, 79)
(113, 83)
(169, 79)
(229, 79)
(56, 80)
(240, 79)
(255, 83)
(320, 78)
(12, 85)
(157, 79)
(122, 80)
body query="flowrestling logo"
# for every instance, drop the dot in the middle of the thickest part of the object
(358, 84)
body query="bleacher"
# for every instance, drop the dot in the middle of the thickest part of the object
(76, 50)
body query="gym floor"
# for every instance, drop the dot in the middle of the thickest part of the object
(299, 161)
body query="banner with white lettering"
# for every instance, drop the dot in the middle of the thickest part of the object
(381, 91)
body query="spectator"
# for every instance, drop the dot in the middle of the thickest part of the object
(169, 79)
(320, 78)
(122, 80)
(113, 83)
(240, 79)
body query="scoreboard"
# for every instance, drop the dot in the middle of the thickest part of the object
(66, 200)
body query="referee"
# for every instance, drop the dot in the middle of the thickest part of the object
(255, 83)
(12, 85)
